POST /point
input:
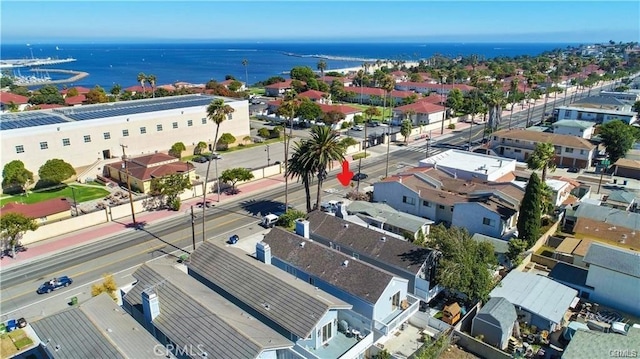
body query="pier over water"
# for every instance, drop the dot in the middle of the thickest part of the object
(16, 63)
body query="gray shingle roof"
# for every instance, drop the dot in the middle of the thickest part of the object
(327, 264)
(390, 215)
(191, 314)
(592, 344)
(568, 273)
(396, 252)
(500, 312)
(83, 332)
(615, 259)
(537, 294)
(609, 215)
(294, 305)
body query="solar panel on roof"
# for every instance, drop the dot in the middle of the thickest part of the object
(12, 121)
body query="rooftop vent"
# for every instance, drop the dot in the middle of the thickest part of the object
(346, 225)
(345, 263)
(384, 239)
(301, 244)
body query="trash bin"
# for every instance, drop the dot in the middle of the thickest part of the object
(74, 301)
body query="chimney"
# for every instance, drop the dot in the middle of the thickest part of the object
(341, 212)
(302, 227)
(263, 252)
(150, 305)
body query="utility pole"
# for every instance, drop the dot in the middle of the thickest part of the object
(217, 177)
(125, 164)
(268, 156)
(75, 203)
(604, 165)
(359, 164)
(193, 228)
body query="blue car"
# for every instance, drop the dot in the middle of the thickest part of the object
(234, 239)
(55, 283)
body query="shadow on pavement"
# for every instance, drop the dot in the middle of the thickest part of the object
(261, 207)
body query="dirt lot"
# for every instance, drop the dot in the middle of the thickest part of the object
(453, 352)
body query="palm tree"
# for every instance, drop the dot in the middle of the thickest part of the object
(245, 62)
(152, 81)
(324, 148)
(494, 99)
(288, 109)
(142, 78)
(299, 167)
(370, 112)
(542, 158)
(322, 65)
(387, 85)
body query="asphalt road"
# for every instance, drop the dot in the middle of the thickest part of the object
(122, 253)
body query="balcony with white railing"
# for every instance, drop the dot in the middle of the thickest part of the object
(343, 345)
(393, 321)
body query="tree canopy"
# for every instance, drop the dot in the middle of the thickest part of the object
(309, 110)
(529, 218)
(405, 129)
(226, 139)
(177, 148)
(168, 188)
(543, 158)
(465, 264)
(13, 226)
(618, 138)
(55, 171)
(302, 73)
(14, 174)
(235, 175)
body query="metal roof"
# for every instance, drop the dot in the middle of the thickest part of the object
(615, 259)
(536, 294)
(611, 216)
(191, 314)
(565, 272)
(329, 265)
(97, 328)
(390, 216)
(500, 312)
(294, 305)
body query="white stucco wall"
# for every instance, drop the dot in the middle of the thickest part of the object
(471, 216)
(573, 131)
(383, 306)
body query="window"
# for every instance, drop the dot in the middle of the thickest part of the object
(327, 332)
(159, 128)
(143, 130)
(517, 141)
(19, 149)
(190, 123)
(125, 133)
(87, 138)
(204, 121)
(440, 206)
(66, 142)
(312, 281)
(44, 145)
(517, 150)
(107, 135)
(356, 255)
(582, 152)
(488, 222)
(408, 200)
(426, 204)
(230, 116)
(568, 150)
(175, 125)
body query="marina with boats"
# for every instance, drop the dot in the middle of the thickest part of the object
(37, 75)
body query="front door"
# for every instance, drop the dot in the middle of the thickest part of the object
(106, 154)
(395, 301)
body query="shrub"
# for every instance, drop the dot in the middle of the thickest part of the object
(264, 132)
(452, 126)
(288, 219)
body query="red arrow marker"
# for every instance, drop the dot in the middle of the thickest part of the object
(345, 176)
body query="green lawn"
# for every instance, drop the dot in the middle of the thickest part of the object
(83, 194)
(389, 111)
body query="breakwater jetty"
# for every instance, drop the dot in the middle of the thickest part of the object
(35, 81)
(16, 63)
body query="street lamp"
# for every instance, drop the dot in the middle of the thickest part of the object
(268, 156)
(428, 143)
(75, 203)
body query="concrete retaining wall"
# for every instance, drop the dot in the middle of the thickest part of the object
(66, 226)
(479, 348)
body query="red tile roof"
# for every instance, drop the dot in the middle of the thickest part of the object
(47, 106)
(8, 97)
(371, 91)
(156, 165)
(402, 94)
(420, 107)
(75, 100)
(281, 85)
(329, 79)
(313, 94)
(40, 209)
(399, 73)
(433, 98)
(81, 90)
(138, 88)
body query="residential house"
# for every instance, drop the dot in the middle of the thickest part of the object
(472, 166)
(538, 300)
(620, 199)
(495, 322)
(382, 298)
(583, 129)
(43, 212)
(226, 84)
(77, 89)
(139, 171)
(386, 217)
(316, 96)
(427, 87)
(183, 314)
(419, 113)
(486, 208)
(415, 263)
(571, 151)
(434, 99)
(399, 76)
(376, 95)
(75, 100)
(572, 276)
(278, 89)
(603, 224)
(349, 112)
(95, 328)
(631, 97)
(595, 344)
(561, 189)
(294, 308)
(345, 81)
(614, 275)
(626, 167)
(604, 102)
(9, 100)
(597, 115)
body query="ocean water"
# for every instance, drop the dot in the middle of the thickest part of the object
(110, 64)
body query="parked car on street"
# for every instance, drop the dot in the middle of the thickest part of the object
(357, 128)
(199, 159)
(359, 176)
(54, 284)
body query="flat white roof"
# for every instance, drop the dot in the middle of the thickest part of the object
(556, 185)
(468, 161)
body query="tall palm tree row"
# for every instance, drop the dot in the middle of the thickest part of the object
(300, 167)
(322, 66)
(387, 84)
(494, 100)
(142, 79)
(543, 158)
(152, 81)
(245, 63)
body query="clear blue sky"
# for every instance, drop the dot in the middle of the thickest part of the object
(470, 21)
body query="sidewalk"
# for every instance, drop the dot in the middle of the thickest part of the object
(94, 234)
